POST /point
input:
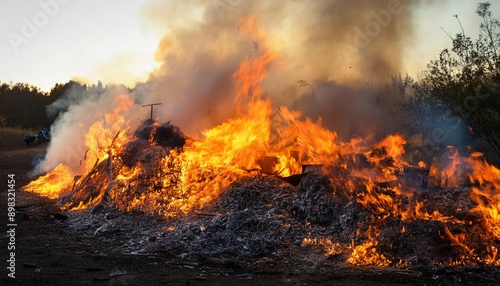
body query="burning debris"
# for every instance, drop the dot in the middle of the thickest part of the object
(137, 171)
(239, 191)
(262, 216)
(346, 213)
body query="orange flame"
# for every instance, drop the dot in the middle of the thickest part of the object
(204, 168)
(54, 184)
(103, 138)
(486, 194)
(450, 176)
(366, 254)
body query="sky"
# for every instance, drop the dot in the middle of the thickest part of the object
(44, 42)
(89, 40)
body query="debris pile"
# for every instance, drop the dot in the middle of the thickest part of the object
(142, 161)
(357, 211)
(263, 216)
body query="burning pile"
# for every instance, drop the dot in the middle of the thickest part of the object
(362, 204)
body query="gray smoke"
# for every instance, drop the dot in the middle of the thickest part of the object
(335, 46)
(79, 109)
(334, 54)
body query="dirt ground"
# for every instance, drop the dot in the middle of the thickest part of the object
(47, 253)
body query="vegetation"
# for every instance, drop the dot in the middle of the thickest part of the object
(459, 91)
(24, 106)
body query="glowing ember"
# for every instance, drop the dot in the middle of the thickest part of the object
(330, 248)
(366, 254)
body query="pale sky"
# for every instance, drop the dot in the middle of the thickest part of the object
(431, 39)
(107, 40)
(95, 40)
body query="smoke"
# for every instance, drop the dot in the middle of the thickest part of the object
(334, 46)
(334, 55)
(80, 109)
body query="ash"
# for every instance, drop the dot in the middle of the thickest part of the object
(335, 216)
(263, 216)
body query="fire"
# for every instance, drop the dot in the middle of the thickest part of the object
(366, 254)
(54, 184)
(288, 164)
(330, 248)
(492, 257)
(108, 134)
(449, 176)
(176, 180)
(422, 164)
(314, 144)
(486, 194)
(227, 150)
(393, 147)
(104, 138)
(389, 203)
(205, 167)
(459, 240)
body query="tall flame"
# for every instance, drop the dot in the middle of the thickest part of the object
(185, 179)
(486, 194)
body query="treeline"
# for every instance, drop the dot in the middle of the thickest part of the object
(24, 106)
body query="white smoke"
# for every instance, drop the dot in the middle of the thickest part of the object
(68, 132)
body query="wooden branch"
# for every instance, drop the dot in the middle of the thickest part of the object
(207, 214)
(114, 139)
(84, 156)
(84, 181)
(111, 182)
(105, 193)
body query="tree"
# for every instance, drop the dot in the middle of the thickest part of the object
(466, 80)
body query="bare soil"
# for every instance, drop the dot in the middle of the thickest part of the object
(48, 253)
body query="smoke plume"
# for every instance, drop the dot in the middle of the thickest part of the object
(80, 109)
(334, 55)
(342, 49)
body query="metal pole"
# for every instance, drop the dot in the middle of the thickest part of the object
(152, 104)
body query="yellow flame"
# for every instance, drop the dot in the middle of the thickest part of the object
(366, 254)
(54, 184)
